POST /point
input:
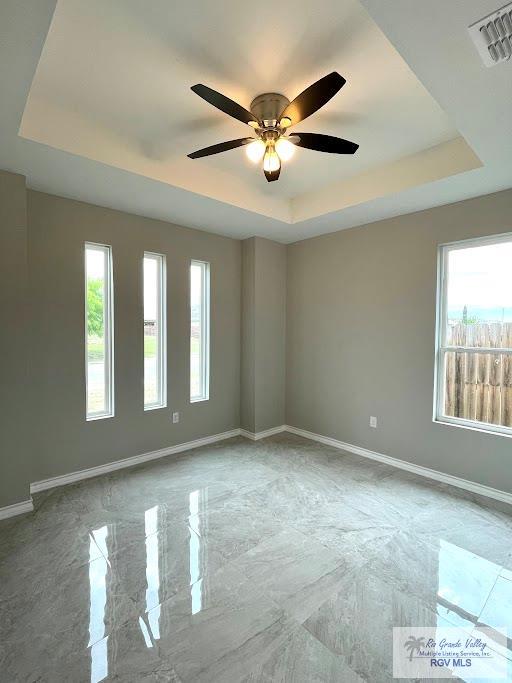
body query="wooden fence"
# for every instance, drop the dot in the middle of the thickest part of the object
(479, 385)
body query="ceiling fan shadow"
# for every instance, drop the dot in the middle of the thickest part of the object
(195, 45)
(323, 49)
(174, 138)
(339, 119)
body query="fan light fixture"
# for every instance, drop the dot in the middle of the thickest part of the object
(271, 160)
(255, 150)
(285, 149)
(270, 115)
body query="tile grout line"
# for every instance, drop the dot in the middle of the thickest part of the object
(487, 598)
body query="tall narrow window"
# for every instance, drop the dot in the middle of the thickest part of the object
(98, 331)
(474, 362)
(154, 332)
(199, 331)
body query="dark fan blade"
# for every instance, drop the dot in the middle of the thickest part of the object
(323, 143)
(272, 175)
(224, 104)
(221, 147)
(313, 98)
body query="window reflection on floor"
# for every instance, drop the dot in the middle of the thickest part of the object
(498, 611)
(196, 581)
(98, 569)
(152, 571)
(465, 581)
(145, 632)
(100, 537)
(464, 593)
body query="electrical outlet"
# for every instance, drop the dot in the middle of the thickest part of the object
(373, 422)
(175, 418)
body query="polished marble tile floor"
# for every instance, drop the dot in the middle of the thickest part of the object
(277, 560)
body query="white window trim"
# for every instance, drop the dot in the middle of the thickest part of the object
(205, 327)
(109, 334)
(442, 348)
(162, 327)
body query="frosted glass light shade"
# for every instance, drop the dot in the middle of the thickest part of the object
(255, 150)
(285, 149)
(271, 161)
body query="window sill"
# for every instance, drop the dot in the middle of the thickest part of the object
(150, 408)
(483, 427)
(94, 418)
(200, 399)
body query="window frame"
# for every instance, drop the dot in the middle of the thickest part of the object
(205, 328)
(162, 328)
(108, 332)
(441, 348)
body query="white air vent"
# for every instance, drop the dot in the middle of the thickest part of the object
(492, 36)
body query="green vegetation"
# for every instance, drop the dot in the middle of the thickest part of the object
(149, 346)
(95, 308)
(95, 347)
(468, 320)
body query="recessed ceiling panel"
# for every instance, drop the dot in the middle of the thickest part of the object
(113, 85)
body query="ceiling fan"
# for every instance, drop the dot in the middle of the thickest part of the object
(271, 115)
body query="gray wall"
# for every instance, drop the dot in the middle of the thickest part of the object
(270, 333)
(361, 312)
(248, 358)
(65, 442)
(350, 315)
(263, 334)
(14, 394)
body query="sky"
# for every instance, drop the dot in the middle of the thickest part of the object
(481, 277)
(150, 285)
(96, 268)
(95, 263)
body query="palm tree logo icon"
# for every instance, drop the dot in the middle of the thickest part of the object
(414, 645)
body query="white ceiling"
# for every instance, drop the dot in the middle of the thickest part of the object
(113, 84)
(110, 117)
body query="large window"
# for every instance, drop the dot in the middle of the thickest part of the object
(199, 331)
(474, 347)
(154, 332)
(98, 331)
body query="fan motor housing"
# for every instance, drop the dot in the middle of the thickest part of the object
(268, 107)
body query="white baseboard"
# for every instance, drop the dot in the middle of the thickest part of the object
(16, 509)
(256, 436)
(35, 487)
(480, 489)
(72, 477)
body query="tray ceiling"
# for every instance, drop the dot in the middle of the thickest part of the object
(113, 86)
